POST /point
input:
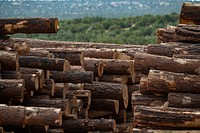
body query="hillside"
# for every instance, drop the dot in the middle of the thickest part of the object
(130, 30)
(69, 9)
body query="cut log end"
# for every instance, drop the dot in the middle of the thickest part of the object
(56, 25)
(66, 66)
(125, 96)
(100, 69)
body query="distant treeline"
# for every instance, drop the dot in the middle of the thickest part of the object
(131, 30)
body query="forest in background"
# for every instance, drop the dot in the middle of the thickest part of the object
(140, 30)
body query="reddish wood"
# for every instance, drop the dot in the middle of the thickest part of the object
(28, 25)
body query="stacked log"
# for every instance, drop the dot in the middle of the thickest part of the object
(167, 100)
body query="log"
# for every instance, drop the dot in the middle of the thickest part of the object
(11, 45)
(114, 66)
(49, 85)
(63, 104)
(72, 76)
(105, 104)
(28, 25)
(121, 116)
(38, 72)
(84, 125)
(171, 118)
(144, 62)
(31, 82)
(173, 48)
(183, 100)
(35, 43)
(113, 78)
(105, 90)
(182, 56)
(189, 13)
(78, 86)
(10, 75)
(85, 96)
(44, 63)
(133, 88)
(40, 53)
(147, 100)
(143, 85)
(60, 90)
(9, 61)
(137, 130)
(60, 130)
(80, 108)
(12, 89)
(78, 68)
(30, 116)
(95, 65)
(163, 82)
(166, 34)
(97, 114)
(74, 57)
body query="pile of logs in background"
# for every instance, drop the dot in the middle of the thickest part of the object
(56, 87)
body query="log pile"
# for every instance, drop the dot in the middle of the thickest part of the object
(167, 100)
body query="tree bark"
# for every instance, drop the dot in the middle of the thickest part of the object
(189, 14)
(173, 48)
(63, 104)
(72, 76)
(182, 56)
(82, 125)
(164, 82)
(105, 90)
(121, 116)
(113, 78)
(28, 25)
(171, 118)
(12, 89)
(11, 45)
(55, 130)
(183, 100)
(166, 34)
(97, 114)
(40, 53)
(105, 104)
(30, 116)
(132, 88)
(44, 63)
(124, 128)
(143, 85)
(9, 61)
(10, 75)
(95, 65)
(60, 90)
(31, 82)
(78, 68)
(137, 130)
(144, 62)
(85, 96)
(75, 86)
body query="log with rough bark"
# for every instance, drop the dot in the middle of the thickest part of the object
(183, 100)
(189, 13)
(48, 88)
(11, 45)
(60, 130)
(144, 130)
(144, 62)
(38, 72)
(133, 88)
(84, 125)
(95, 65)
(170, 118)
(60, 90)
(35, 43)
(72, 76)
(12, 89)
(40, 53)
(9, 61)
(147, 100)
(113, 78)
(78, 68)
(143, 85)
(44, 63)
(10, 75)
(166, 34)
(28, 25)
(85, 96)
(30, 116)
(173, 48)
(96, 114)
(163, 82)
(63, 104)
(74, 57)
(105, 104)
(31, 82)
(182, 56)
(105, 90)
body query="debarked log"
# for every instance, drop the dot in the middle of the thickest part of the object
(144, 62)
(72, 76)
(30, 116)
(183, 100)
(12, 89)
(28, 25)
(171, 118)
(9, 61)
(44, 63)
(164, 82)
(82, 125)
